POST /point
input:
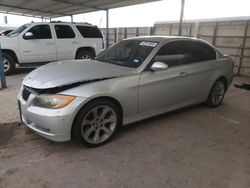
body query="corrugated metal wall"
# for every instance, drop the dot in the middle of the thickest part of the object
(230, 37)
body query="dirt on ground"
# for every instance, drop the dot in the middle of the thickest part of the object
(194, 147)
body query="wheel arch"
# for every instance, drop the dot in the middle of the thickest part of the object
(224, 79)
(90, 49)
(106, 98)
(11, 53)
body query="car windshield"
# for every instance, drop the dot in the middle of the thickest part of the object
(17, 31)
(128, 53)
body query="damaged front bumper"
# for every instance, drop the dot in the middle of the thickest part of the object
(53, 124)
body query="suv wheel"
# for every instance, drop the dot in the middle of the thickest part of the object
(84, 54)
(96, 123)
(8, 63)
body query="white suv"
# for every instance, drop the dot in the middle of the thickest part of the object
(39, 43)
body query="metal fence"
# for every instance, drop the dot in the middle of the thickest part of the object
(231, 37)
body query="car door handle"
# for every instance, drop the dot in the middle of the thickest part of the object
(75, 42)
(212, 67)
(182, 74)
(50, 43)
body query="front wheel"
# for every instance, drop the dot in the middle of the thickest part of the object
(8, 63)
(96, 123)
(217, 94)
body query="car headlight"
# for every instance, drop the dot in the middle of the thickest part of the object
(53, 101)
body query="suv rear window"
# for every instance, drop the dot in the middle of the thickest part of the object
(89, 32)
(64, 32)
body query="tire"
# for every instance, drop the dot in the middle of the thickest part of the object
(9, 63)
(84, 54)
(90, 128)
(216, 94)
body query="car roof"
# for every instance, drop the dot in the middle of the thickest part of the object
(162, 38)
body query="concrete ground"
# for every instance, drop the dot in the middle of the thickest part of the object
(194, 147)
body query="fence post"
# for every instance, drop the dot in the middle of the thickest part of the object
(243, 47)
(137, 31)
(215, 33)
(196, 29)
(125, 33)
(2, 74)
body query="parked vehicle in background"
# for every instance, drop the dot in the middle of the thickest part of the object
(39, 43)
(5, 32)
(134, 79)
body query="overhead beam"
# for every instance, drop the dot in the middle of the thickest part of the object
(23, 14)
(78, 4)
(181, 17)
(33, 10)
(23, 3)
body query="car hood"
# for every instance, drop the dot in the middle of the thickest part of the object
(64, 73)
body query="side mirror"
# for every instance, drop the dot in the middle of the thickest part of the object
(28, 35)
(159, 66)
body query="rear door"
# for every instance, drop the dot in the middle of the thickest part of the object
(66, 42)
(40, 48)
(201, 66)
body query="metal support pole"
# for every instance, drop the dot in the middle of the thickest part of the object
(72, 19)
(181, 17)
(107, 28)
(2, 75)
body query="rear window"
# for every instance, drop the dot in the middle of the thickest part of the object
(64, 32)
(89, 32)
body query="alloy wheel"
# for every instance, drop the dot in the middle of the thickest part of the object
(218, 93)
(99, 124)
(6, 65)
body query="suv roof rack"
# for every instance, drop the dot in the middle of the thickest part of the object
(55, 21)
(71, 22)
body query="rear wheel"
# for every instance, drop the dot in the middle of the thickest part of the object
(217, 94)
(8, 63)
(84, 54)
(96, 123)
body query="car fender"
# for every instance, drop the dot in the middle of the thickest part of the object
(124, 89)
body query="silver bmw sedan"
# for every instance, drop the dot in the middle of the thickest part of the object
(137, 78)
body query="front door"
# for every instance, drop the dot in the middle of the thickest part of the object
(163, 89)
(40, 47)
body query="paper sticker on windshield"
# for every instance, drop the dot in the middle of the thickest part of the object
(136, 61)
(151, 44)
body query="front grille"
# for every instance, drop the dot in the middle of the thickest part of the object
(26, 94)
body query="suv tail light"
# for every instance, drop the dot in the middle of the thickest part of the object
(103, 44)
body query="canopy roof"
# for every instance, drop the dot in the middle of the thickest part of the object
(58, 8)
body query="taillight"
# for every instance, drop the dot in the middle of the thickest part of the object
(102, 43)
